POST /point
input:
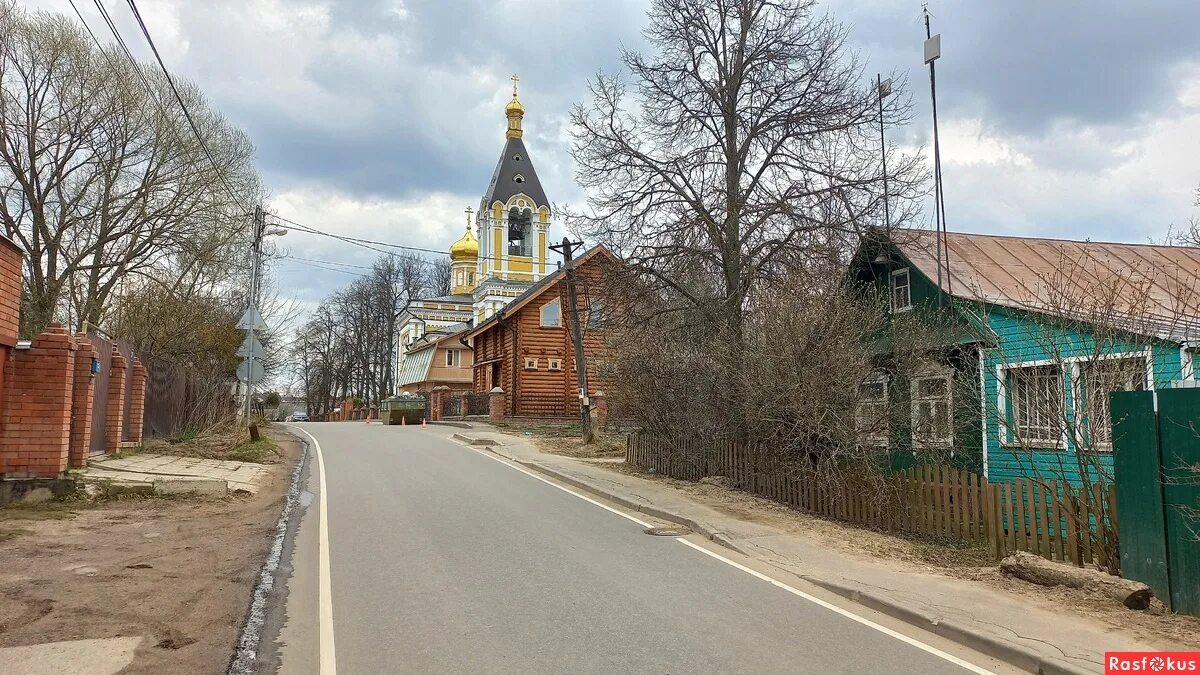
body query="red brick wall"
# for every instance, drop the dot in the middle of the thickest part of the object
(137, 402)
(82, 399)
(10, 310)
(38, 391)
(11, 261)
(116, 402)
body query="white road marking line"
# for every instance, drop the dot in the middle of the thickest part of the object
(775, 582)
(844, 612)
(328, 659)
(527, 472)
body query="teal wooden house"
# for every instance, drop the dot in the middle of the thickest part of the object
(1018, 343)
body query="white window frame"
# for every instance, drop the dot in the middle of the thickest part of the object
(542, 314)
(1081, 389)
(1005, 403)
(554, 364)
(531, 360)
(907, 289)
(878, 437)
(916, 400)
(453, 358)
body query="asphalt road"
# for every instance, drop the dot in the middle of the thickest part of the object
(445, 560)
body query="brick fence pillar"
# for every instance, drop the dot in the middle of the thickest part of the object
(116, 402)
(437, 398)
(600, 405)
(137, 402)
(496, 405)
(37, 413)
(82, 400)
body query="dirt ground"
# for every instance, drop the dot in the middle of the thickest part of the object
(962, 562)
(565, 440)
(179, 572)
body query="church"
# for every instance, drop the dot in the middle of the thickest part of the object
(488, 271)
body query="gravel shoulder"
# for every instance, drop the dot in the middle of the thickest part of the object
(177, 572)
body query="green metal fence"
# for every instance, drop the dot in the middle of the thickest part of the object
(1156, 442)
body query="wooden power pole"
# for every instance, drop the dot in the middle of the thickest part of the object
(567, 249)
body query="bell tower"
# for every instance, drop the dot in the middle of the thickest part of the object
(514, 214)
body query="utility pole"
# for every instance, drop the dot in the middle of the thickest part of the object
(260, 224)
(252, 320)
(933, 51)
(567, 249)
(883, 89)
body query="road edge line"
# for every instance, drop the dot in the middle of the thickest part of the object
(913, 642)
(328, 651)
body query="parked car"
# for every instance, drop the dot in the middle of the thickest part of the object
(298, 417)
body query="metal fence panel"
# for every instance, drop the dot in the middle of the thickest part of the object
(1179, 442)
(1139, 489)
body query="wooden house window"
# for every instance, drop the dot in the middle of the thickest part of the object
(1098, 379)
(531, 363)
(551, 314)
(555, 364)
(1035, 396)
(932, 414)
(453, 358)
(871, 418)
(595, 314)
(901, 290)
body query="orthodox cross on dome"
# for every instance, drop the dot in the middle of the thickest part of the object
(515, 79)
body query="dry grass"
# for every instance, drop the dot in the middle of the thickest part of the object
(227, 441)
(565, 439)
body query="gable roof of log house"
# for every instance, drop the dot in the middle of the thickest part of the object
(535, 290)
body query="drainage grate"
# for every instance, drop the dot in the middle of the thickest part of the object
(674, 531)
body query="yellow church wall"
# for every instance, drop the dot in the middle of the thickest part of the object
(520, 263)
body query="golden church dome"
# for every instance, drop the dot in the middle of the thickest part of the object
(514, 106)
(465, 248)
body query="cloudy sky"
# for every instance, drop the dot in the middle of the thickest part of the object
(383, 118)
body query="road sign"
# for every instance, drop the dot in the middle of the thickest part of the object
(251, 347)
(256, 371)
(252, 320)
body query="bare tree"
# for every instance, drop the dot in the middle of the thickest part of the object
(348, 347)
(750, 148)
(439, 277)
(101, 179)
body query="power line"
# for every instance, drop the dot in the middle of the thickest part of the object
(372, 243)
(183, 106)
(326, 262)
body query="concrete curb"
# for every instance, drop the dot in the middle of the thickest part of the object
(449, 423)
(1011, 653)
(652, 511)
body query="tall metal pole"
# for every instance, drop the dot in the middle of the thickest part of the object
(887, 216)
(932, 53)
(567, 249)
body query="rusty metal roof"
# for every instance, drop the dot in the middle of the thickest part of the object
(1150, 289)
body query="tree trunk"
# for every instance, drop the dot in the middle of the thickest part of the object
(1038, 570)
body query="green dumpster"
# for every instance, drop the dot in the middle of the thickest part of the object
(405, 408)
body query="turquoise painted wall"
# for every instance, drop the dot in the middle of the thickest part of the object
(1024, 337)
(1018, 337)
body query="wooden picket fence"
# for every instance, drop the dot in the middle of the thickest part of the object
(1049, 518)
